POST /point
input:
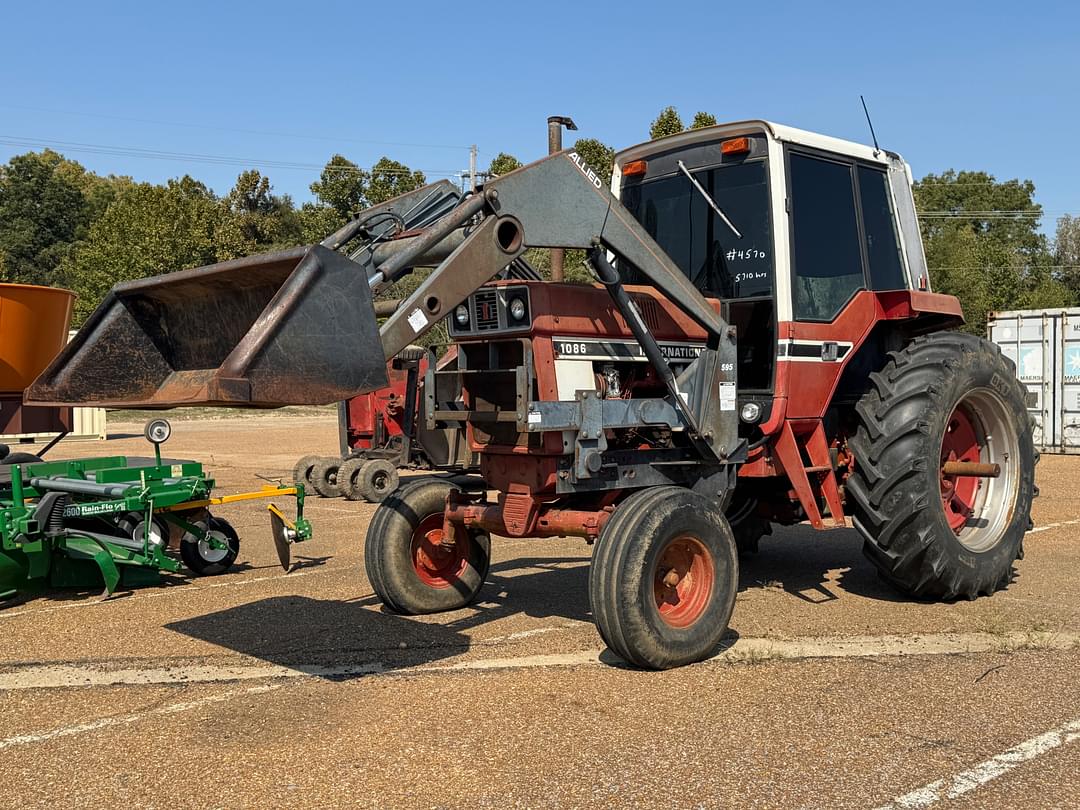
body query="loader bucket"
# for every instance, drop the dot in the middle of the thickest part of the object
(296, 327)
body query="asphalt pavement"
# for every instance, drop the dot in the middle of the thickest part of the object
(259, 688)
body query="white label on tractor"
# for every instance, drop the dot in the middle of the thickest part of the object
(176, 470)
(727, 396)
(417, 319)
(535, 418)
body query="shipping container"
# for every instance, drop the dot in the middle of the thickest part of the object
(1045, 346)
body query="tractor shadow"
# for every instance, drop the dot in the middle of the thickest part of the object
(342, 639)
(815, 566)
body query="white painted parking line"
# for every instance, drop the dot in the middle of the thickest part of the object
(966, 781)
(82, 674)
(128, 719)
(1049, 526)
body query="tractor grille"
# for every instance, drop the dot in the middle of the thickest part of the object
(649, 310)
(486, 310)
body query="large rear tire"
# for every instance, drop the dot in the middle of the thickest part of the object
(664, 577)
(945, 397)
(409, 568)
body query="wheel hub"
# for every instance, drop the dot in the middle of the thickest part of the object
(980, 487)
(960, 443)
(438, 564)
(684, 581)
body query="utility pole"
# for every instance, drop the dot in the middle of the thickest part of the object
(555, 127)
(472, 168)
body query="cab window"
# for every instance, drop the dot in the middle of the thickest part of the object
(826, 254)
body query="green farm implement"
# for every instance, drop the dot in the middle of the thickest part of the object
(119, 521)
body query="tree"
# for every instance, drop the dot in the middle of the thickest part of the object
(148, 229)
(43, 209)
(596, 154)
(1067, 252)
(983, 245)
(343, 189)
(389, 178)
(341, 186)
(667, 123)
(503, 163)
(255, 220)
(703, 119)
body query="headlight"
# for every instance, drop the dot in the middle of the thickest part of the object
(517, 309)
(750, 412)
(461, 315)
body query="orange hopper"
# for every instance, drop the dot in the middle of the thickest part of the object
(34, 325)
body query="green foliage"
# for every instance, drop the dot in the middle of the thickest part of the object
(667, 123)
(1067, 252)
(388, 179)
(703, 119)
(598, 155)
(46, 203)
(341, 186)
(503, 163)
(983, 245)
(343, 189)
(255, 220)
(148, 229)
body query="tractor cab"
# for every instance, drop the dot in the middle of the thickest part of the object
(790, 230)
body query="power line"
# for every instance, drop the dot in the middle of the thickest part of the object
(184, 157)
(234, 129)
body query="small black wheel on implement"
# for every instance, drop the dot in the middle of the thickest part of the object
(302, 471)
(377, 479)
(664, 577)
(20, 458)
(410, 567)
(205, 560)
(367, 479)
(944, 468)
(133, 525)
(324, 477)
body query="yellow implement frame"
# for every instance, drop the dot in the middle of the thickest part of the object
(266, 492)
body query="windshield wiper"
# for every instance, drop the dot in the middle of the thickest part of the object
(708, 199)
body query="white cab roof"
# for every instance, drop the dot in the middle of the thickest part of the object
(780, 132)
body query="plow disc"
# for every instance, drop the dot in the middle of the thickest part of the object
(296, 327)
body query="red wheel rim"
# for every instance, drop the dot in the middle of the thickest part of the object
(684, 580)
(960, 443)
(438, 566)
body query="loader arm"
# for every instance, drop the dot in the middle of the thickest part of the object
(299, 326)
(553, 202)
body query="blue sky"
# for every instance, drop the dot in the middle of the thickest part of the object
(979, 85)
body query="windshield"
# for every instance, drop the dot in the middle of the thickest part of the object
(682, 222)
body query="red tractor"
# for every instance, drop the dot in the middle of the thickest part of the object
(762, 347)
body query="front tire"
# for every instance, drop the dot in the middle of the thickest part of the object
(409, 568)
(945, 397)
(664, 577)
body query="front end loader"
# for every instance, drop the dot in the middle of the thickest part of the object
(761, 346)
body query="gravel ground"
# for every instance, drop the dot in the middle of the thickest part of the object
(258, 688)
